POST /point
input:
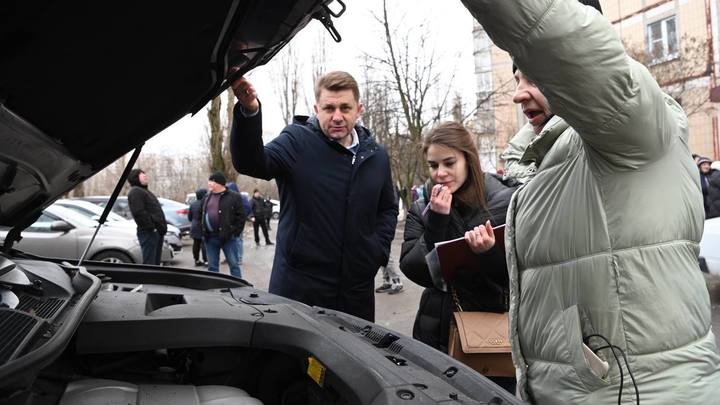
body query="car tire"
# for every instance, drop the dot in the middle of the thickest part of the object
(112, 256)
(275, 215)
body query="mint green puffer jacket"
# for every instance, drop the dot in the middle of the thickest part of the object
(604, 238)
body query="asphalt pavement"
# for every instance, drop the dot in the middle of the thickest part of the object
(395, 312)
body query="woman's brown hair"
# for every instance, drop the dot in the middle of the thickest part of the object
(454, 135)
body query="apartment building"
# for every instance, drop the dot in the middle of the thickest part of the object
(676, 39)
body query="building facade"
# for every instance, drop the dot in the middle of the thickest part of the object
(676, 39)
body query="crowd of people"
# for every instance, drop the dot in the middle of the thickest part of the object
(602, 204)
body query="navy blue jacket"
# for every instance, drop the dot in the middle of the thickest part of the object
(338, 217)
(195, 214)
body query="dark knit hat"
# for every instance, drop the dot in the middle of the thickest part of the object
(218, 178)
(592, 3)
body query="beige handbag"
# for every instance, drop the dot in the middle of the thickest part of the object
(480, 340)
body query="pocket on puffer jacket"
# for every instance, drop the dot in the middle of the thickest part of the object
(574, 346)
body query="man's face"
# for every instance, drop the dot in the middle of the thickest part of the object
(213, 187)
(705, 167)
(448, 166)
(143, 178)
(534, 104)
(338, 111)
(256, 194)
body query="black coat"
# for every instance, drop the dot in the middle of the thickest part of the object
(195, 214)
(232, 216)
(485, 290)
(258, 208)
(711, 194)
(145, 208)
(339, 212)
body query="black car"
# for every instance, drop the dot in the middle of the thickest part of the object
(81, 84)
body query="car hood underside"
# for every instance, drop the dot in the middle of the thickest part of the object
(82, 83)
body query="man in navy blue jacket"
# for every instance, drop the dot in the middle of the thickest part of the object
(339, 210)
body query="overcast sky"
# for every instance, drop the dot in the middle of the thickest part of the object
(449, 26)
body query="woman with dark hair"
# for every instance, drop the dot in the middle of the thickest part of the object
(461, 201)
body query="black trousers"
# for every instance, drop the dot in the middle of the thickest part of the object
(262, 223)
(198, 245)
(151, 244)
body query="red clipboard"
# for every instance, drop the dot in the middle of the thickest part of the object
(456, 253)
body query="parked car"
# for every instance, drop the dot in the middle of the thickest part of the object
(275, 208)
(175, 212)
(94, 211)
(82, 85)
(710, 246)
(64, 233)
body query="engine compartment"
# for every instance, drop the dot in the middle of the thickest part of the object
(174, 336)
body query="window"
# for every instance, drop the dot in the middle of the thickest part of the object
(662, 40)
(42, 224)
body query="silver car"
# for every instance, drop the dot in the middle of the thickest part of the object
(93, 211)
(63, 233)
(710, 246)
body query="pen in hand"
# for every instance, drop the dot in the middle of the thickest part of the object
(427, 207)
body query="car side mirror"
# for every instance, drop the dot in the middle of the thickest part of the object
(60, 226)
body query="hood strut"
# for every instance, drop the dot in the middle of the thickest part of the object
(111, 201)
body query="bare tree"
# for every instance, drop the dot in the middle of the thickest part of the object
(286, 70)
(219, 158)
(216, 136)
(410, 70)
(680, 75)
(318, 62)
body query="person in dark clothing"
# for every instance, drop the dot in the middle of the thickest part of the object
(247, 209)
(710, 183)
(148, 215)
(195, 218)
(223, 219)
(462, 201)
(259, 217)
(339, 210)
(268, 211)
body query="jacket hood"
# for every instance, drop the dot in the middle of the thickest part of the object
(232, 186)
(165, 63)
(200, 193)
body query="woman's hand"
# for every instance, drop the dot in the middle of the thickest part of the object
(481, 238)
(440, 199)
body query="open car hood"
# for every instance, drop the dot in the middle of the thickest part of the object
(82, 83)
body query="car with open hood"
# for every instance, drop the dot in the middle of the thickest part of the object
(82, 83)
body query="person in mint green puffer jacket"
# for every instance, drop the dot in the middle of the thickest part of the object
(603, 238)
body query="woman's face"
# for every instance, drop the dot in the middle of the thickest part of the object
(448, 166)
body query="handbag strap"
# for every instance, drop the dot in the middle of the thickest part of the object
(456, 300)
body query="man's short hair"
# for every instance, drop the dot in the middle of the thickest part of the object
(337, 81)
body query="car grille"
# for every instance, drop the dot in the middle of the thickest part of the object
(14, 327)
(43, 308)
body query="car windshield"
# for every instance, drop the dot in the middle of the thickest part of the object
(71, 216)
(91, 210)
